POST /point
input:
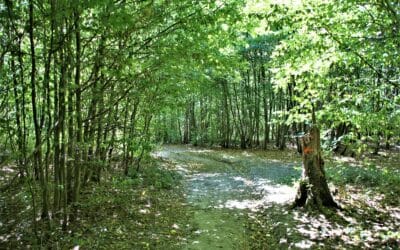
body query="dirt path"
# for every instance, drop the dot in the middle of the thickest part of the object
(224, 187)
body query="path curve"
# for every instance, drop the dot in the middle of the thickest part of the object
(223, 188)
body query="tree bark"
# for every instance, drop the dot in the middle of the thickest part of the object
(313, 190)
(78, 116)
(225, 115)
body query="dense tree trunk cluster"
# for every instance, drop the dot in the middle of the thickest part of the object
(80, 83)
(248, 113)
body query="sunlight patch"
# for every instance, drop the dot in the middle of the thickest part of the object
(275, 193)
(304, 244)
(278, 194)
(204, 175)
(160, 154)
(192, 150)
(244, 204)
(181, 168)
(245, 153)
(144, 211)
(227, 156)
(8, 169)
(245, 181)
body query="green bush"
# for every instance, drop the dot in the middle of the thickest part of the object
(160, 178)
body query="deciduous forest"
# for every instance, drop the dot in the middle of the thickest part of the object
(207, 124)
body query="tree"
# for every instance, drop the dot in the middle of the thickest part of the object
(313, 190)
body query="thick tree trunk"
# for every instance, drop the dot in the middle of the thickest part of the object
(313, 190)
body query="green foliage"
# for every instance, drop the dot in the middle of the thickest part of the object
(367, 176)
(84, 82)
(160, 178)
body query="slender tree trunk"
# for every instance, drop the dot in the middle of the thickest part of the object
(125, 141)
(19, 80)
(145, 140)
(225, 115)
(71, 142)
(20, 139)
(93, 114)
(38, 168)
(181, 138)
(61, 127)
(78, 116)
(100, 127)
(186, 131)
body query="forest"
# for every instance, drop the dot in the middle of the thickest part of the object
(206, 124)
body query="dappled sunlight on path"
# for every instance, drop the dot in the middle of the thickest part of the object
(236, 192)
(223, 187)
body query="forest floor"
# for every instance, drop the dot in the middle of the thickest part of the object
(224, 187)
(241, 200)
(198, 198)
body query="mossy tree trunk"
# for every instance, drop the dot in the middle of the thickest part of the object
(313, 189)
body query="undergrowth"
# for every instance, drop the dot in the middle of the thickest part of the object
(142, 212)
(382, 180)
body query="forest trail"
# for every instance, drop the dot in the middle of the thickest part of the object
(223, 187)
